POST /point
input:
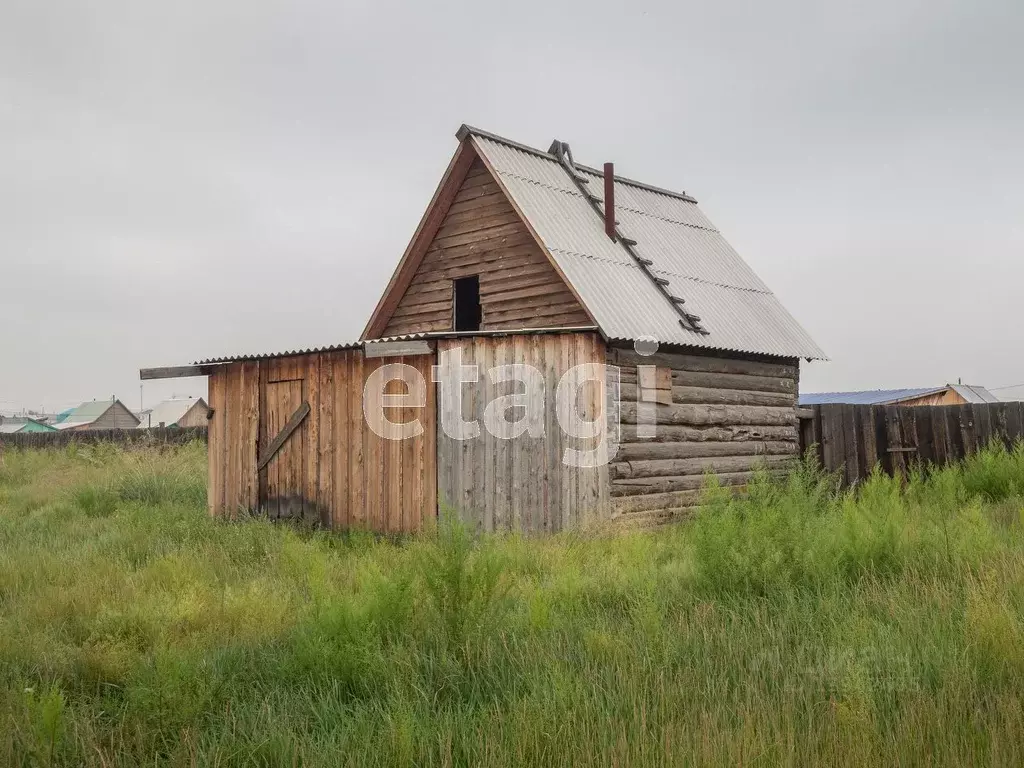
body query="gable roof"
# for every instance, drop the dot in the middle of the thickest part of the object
(736, 309)
(10, 425)
(169, 412)
(89, 412)
(970, 393)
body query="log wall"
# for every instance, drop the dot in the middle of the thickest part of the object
(333, 469)
(521, 484)
(727, 415)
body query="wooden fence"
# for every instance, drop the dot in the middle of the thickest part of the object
(141, 437)
(854, 438)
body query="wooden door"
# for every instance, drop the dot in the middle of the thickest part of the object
(286, 470)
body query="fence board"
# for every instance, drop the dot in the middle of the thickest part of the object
(154, 436)
(853, 439)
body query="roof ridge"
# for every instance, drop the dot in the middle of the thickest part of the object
(468, 130)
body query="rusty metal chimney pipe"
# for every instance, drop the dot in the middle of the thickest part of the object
(609, 200)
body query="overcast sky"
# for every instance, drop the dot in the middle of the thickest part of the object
(189, 179)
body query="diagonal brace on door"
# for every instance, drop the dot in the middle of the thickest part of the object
(275, 445)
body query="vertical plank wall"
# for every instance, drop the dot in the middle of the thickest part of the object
(333, 469)
(726, 415)
(521, 484)
(233, 432)
(854, 439)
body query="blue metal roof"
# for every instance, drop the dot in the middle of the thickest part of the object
(867, 397)
(970, 393)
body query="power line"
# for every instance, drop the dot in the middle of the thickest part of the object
(1008, 386)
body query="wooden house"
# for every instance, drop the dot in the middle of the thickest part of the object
(523, 258)
(176, 412)
(99, 414)
(14, 425)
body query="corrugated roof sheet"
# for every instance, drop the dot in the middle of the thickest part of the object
(969, 392)
(268, 355)
(735, 306)
(168, 412)
(975, 394)
(403, 337)
(87, 412)
(866, 397)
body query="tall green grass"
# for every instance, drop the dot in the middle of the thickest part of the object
(800, 625)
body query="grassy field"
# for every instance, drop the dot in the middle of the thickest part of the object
(799, 626)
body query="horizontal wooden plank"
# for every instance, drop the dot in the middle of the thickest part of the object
(514, 228)
(479, 202)
(398, 348)
(175, 372)
(467, 225)
(450, 253)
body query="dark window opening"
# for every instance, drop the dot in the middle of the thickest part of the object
(468, 313)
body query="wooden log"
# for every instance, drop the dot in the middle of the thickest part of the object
(671, 433)
(708, 396)
(722, 381)
(644, 486)
(622, 470)
(687, 450)
(624, 505)
(705, 364)
(714, 415)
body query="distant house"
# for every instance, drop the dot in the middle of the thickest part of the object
(950, 394)
(177, 412)
(10, 425)
(99, 414)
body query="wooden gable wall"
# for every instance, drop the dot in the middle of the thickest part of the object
(483, 235)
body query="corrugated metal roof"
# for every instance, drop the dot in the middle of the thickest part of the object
(969, 392)
(268, 355)
(404, 337)
(735, 306)
(972, 393)
(87, 412)
(169, 412)
(866, 397)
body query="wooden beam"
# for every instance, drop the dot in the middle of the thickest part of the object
(293, 423)
(397, 348)
(175, 372)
